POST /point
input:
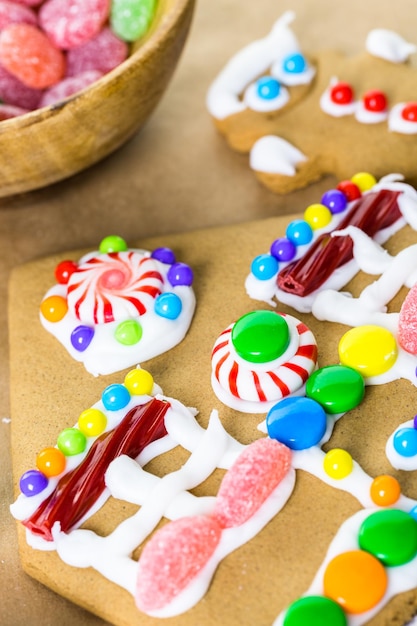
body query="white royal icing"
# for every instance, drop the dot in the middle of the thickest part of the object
(388, 45)
(273, 155)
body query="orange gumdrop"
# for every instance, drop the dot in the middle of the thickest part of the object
(50, 461)
(356, 580)
(27, 53)
(385, 490)
(54, 308)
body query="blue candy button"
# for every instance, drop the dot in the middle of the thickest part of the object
(297, 422)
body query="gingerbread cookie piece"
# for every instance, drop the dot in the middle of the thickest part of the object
(118, 307)
(301, 117)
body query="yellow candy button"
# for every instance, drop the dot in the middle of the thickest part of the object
(356, 580)
(318, 216)
(370, 350)
(338, 463)
(364, 180)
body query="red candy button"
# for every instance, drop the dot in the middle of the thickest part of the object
(409, 112)
(375, 101)
(341, 93)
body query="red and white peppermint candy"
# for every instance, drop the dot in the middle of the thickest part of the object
(113, 287)
(252, 387)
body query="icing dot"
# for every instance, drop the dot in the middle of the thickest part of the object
(299, 232)
(350, 190)
(32, 482)
(370, 350)
(338, 463)
(297, 422)
(50, 461)
(260, 336)
(356, 580)
(71, 441)
(64, 270)
(92, 422)
(180, 274)
(341, 93)
(405, 442)
(385, 490)
(139, 382)
(115, 397)
(81, 337)
(164, 255)
(336, 387)
(294, 63)
(267, 87)
(168, 305)
(335, 201)
(113, 243)
(54, 308)
(317, 216)
(390, 535)
(264, 266)
(409, 112)
(314, 611)
(364, 181)
(283, 249)
(128, 332)
(375, 101)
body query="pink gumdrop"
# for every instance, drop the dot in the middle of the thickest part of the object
(252, 478)
(74, 22)
(68, 87)
(14, 92)
(26, 52)
(407, 322)
(29, 3)
(11, 13)
(172, 558)
(8, 111)
(103, 53)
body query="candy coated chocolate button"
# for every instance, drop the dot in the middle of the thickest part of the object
(390, 535)
(297, 422)
(405, 442)
(336, 387)
(356, 580)
(314, 611)
(260, 336)
(371, 350)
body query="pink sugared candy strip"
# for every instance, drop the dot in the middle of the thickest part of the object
(172, 559)
(27, 53)
(407, 322)
(69, 86)
(12, 13)
(103, 53)
(250, 481)
(73, 22)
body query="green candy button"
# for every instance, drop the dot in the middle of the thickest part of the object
(128, 332)
(260, 336)
(315, 611)
(390, 535)
(337, 388)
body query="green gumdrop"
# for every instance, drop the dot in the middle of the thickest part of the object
(130, 19)
(128, 333)
(337, 388)
(315, 611)
(71, 441)
(390, 535)
(113, 243)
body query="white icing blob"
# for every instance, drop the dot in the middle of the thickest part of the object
(365, 116)
(273, 155)
(265, 105)
(396, 122)
(388, 45)
(333, 108)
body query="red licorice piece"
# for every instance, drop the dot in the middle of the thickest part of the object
(78, 490)
(371, 213)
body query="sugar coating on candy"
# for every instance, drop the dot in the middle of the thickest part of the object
(8, 111)
(172, 558)
(130, 19)
(69, 86)
(103, 53)
(27, 53)
(72, 23)
(407, 322)
(12, 13)
(251, 479)
(14, 92)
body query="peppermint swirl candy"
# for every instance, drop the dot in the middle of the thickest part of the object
(114, 286)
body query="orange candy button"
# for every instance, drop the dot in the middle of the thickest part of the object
(356, 580)
(385, 490)
(54, 308)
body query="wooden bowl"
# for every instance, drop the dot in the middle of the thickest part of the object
(55, 142)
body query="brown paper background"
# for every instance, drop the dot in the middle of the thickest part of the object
(177, 175)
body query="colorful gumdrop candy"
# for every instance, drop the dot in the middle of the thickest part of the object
(102, 53)
(15, 93)
(172, 558)
(27, 53)
(130, 19)
(407, 322)
(72, 23)
(68, 86)
(252, 478)
(12, 13)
